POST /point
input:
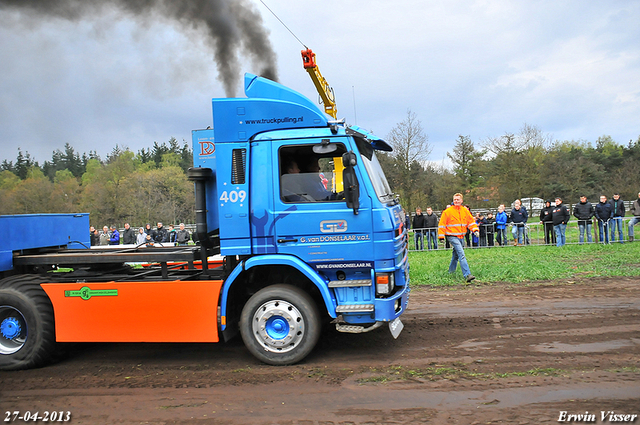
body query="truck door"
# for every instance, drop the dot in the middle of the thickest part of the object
(312, 220)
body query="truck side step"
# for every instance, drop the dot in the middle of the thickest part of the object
(355, 329)
(349, 283)
(355, 308)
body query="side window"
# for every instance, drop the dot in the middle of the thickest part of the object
(309, 177)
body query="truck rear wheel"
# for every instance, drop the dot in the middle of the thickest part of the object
(280, 324)
(27, 330)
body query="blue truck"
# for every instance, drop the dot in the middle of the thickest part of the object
(296, 226)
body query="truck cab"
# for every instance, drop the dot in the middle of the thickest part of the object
(302, 200)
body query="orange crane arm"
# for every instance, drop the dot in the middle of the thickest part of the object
(324, 89)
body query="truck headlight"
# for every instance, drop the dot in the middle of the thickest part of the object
(385, 283)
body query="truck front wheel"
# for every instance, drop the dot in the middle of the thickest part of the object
(280, 324)
(27, 332)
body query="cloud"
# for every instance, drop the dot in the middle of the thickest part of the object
(479, 68)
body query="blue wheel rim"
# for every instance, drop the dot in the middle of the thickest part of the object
(277, 327)
(13, 330)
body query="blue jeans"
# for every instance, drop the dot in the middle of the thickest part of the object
(519, 230)
(613, 222)
(432, 238)
(419, 238)
(458, 256)
(603, 230)
(582, 225)
(560, 231)
(501, 236)
(633, 222)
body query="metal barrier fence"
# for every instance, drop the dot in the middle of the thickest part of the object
(534, 234)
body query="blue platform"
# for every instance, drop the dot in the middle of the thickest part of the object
(30, 231)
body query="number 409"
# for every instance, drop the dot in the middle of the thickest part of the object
(233, 196)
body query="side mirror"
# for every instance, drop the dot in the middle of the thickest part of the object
(350, 181)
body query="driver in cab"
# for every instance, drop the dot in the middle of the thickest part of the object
(303, 185)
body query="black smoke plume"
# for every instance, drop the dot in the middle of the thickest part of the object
(233, 27)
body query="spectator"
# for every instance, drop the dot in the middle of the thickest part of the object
(431, 223)
(147, 229)
(94, 236)
(468, 234)
(547, 223)
(453, 225)
(182, 236)
(159, 234)
(491, 228)
(561, 217)
(519, 217)
(635, 210)
(617, 212)
(584, 212)
(115, 236)
(407, 220)
(105, 236)
(474, 239)
(501, 226)
(603, 214)
(482, 226)
(128, 235)
(419, 226)
(141, 237)
(172, 233)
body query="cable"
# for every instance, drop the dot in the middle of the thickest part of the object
(296, 37)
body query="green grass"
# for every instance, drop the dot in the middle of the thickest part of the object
(527, 263)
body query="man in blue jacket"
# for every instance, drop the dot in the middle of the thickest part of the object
(115, 236)
(519, 217)
(501, 226)
(603, 214)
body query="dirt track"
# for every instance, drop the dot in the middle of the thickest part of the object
(476, 355)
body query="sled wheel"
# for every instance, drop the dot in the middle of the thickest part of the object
(280, 324)
(27, 331)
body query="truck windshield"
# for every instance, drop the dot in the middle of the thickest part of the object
(374, 169)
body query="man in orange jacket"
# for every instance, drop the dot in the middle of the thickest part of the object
(453, 226)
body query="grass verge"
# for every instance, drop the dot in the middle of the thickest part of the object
(527, 263)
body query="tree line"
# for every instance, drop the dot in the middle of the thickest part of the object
(140, 188)
(151, 185)
(527, 163)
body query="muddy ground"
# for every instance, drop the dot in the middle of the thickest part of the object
(475, 355)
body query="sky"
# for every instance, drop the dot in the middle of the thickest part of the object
(474, 68)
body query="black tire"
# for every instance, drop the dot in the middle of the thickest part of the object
(27, 330)
(280, 325)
